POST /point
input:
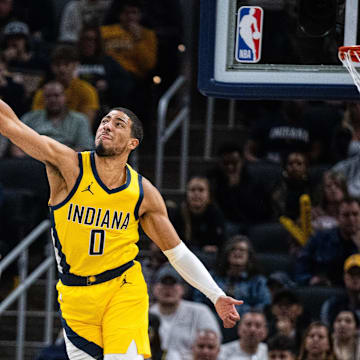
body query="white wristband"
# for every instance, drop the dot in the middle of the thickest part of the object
(193, 271)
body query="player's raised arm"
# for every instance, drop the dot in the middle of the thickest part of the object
(37, 146)
(156, 224)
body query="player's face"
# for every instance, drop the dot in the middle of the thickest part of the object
(206, 347)
(281, 355)
(113, 136)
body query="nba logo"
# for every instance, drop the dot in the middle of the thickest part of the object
(248, 34)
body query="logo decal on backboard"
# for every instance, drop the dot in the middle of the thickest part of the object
(249, 34)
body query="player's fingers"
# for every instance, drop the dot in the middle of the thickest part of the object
(229, 323)
(231, 300)
(235, 316)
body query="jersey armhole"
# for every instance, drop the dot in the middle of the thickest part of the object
(75, 187)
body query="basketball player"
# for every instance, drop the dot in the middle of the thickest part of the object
(96, 204)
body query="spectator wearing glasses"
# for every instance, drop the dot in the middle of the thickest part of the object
(238, 274)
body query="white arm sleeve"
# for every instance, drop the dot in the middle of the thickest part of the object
(193, 271)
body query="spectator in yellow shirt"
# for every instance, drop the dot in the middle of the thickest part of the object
(128, 42)
(81, 96)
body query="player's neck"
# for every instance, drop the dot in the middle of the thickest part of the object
(111, 170)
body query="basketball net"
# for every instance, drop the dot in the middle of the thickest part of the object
(350, 58)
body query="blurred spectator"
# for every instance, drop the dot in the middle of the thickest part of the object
(80, 95)
(166, 19)
(243, 199)
(150, 264)
(237, 274)
(198, 220)
(128, 42)
(40, 16)
(77, 13)
(330, 193)
(154, 337)
(58, 122)
(134, 47)
(294, 183)
(350, 300)
(279, 280)
(323, 116)
(281, 347)
(316, 343)
(252, 331)
(287, 317)
(206, 345)
(321, 260)
(17, 49)
(27, 63)
(11, 92)
(350, 168)
(281, 133)
(115, 85)
(346, 341)
(346, 138)
(180, 319)
(6, 12)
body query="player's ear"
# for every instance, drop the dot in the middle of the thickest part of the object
(133, 143)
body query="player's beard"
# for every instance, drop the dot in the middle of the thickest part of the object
(101, 151)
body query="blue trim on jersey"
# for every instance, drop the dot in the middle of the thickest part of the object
(64, 265)
(97, 177)
(141, 196)
(73, 190)
(81, 343)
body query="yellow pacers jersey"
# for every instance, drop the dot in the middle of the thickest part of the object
(96, 228)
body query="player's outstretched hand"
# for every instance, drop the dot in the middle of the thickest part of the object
(225, 307)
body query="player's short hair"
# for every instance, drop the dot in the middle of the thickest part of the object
(137, 130)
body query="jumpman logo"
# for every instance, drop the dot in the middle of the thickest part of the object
(88, 189)
(124, 281)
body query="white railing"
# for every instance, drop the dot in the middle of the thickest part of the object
(21, 253)
(165, 132)
(210, 111)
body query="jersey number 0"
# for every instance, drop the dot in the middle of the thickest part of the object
(97, 241)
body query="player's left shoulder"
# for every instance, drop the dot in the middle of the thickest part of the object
(152, 198)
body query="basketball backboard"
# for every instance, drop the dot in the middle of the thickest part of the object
(276, 49)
